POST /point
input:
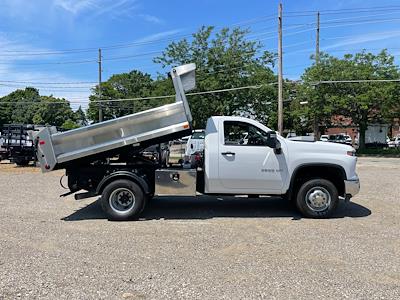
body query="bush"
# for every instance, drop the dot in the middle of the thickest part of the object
(380, 152)
(69, 124)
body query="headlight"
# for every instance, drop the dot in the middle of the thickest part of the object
(351, 153)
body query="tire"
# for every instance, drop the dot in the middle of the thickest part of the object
(253, 196)
(317, 198)
(22, 162)
(122, 200)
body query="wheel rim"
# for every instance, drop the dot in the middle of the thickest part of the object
(318, 199)
(122, 200)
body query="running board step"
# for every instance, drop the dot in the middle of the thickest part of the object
(85, 195)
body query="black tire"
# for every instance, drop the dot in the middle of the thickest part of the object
(317, 198)
(22, 162)
(122, 200)
(288, 198)
(253, 196)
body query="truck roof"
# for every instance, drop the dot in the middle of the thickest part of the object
(240, 119)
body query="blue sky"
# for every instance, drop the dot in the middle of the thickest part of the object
(32, 33)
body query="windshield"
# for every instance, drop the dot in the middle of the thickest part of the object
(198, 135)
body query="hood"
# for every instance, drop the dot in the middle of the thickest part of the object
(324, 147)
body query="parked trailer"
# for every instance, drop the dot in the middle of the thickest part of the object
(17, 143)
(376, 135)
(241, 156)
(3, 151)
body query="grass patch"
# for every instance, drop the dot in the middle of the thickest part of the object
(393, 152)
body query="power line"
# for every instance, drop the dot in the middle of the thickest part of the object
(88, 60)
(122, 57)
(93, 49)
(125, 45)
(341, 24)
(148, 98)
(207, 92)
(354, 18)
(344, 10)
(175, 35)
(40, 83)
(365, 49)
(355, 81)
(51, 63)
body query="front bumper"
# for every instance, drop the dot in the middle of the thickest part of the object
(352, 187)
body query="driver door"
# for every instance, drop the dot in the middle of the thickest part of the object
(246, 163)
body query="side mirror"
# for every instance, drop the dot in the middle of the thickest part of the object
(272, 139)
(273, 142)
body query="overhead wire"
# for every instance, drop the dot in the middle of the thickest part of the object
(171, 37)
(346, 10)
(207, 92)
(332, 21)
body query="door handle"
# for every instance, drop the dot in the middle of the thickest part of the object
(229, 153)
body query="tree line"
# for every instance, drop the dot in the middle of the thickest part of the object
(27, 106)
(226, 59)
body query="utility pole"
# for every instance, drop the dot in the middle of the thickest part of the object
(317, 42)
(316, 122)
(100, 96)
(280, 72)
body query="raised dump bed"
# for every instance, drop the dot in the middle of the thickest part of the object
(55, 148)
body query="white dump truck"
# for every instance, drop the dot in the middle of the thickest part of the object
(105, 159)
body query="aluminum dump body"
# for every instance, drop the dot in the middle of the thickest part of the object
(54, 148)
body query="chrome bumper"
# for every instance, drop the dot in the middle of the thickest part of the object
(352, 187)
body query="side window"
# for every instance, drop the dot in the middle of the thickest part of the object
(241, 133)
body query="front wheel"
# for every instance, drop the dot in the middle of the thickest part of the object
(317, 198)
(22, 162)
(122, 200)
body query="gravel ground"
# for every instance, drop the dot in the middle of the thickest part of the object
(205, 248)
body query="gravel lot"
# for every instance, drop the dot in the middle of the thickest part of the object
(208, 248)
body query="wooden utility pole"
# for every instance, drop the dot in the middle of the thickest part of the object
(100, 96)
(280, 72)
(316, 122)
(317, 42)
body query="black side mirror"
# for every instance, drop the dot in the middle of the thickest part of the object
(273, 142)
(272, 139)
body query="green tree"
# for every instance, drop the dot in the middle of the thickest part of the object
(69, 124)
(363, 102)
(134, 84)
(80, 117)
(28, 107)
(226, 59)
(52, 111)
(19, 106)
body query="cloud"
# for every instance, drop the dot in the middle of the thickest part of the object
(364, 38)
(78, 96)
(158, 35)
(151, 18)
(13, 50)
(13, 76)
(114, 8)
(96, 7)
(74, 6)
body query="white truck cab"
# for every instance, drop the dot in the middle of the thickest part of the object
(241, 157)
(260, 166)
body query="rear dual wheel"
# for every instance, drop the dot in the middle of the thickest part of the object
(122, 200)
